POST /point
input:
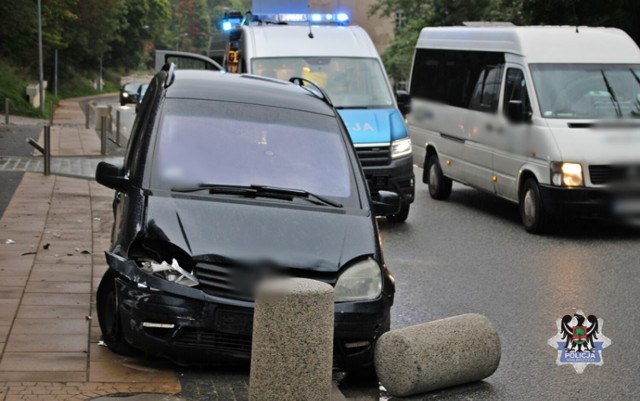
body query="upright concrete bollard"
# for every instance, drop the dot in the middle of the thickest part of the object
(439, 354)
(292, 349)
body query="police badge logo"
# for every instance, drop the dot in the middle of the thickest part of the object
(579, 341)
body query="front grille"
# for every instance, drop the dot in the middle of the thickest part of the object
(374, 155)
(239, 281)
(205, 340)
(614, 174)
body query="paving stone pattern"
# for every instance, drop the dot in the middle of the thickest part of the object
(52, 237)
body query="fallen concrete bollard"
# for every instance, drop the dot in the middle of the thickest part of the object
(292, 346)
(439, 354)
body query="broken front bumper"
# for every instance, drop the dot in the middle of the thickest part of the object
(190, 327)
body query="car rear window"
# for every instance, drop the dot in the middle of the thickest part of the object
(214, 142)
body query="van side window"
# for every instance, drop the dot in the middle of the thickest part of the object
(451, 76)
(486, 93)
(515, 88)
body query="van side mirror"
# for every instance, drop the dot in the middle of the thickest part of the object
(385, 203)
(403, 98)
(516, 112)
(112, 176)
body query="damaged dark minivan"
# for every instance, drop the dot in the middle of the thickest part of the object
(228, 180)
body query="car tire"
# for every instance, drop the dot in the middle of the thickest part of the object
(534, 218)
(402, 214)
(439, 185)
(109, 318)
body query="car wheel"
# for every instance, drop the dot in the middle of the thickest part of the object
(402, 214)
(109, 318)
(534, 218)
(439, 185)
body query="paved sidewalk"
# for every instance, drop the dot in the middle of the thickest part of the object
(52, 238)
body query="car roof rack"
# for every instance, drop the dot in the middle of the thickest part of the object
(316, 90)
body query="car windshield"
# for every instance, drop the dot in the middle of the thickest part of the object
(349, 82)
(226, 143)
(131, 87)
(587, 91)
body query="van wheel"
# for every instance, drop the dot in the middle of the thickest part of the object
(534, 218)
(439, 185)
(109, 318)
(402, 214)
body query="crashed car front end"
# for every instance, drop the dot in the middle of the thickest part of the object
(164, 310)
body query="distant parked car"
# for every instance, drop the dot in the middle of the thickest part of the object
(128, 93)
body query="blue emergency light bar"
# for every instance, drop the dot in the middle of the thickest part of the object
(319, 18)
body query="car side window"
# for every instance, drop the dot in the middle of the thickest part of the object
(515, 88)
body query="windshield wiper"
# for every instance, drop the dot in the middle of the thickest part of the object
(253, 191)
(613, 97)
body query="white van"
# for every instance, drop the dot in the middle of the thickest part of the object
(546, 117)
(343, 61)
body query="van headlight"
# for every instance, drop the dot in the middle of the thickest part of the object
(360, 282)
(566, 174)
(401, 147)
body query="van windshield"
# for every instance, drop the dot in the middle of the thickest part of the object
(349, 82)
(587, 91)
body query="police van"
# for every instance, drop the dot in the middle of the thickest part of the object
(343, 61)
(545, 117)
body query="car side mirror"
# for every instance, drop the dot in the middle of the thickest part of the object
(516, 112)
(385, 203)
(403, 98)
(112, 176)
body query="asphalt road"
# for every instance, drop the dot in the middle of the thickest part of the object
(13, 139)
(471, 254)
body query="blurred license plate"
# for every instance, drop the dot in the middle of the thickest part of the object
(626, 207)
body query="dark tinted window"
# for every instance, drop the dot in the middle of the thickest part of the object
(451, 76)
(228, 143)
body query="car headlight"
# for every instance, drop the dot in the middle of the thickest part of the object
(566, 174)
(401, 147)
(125, 94)
(170, 272)
(360, 282)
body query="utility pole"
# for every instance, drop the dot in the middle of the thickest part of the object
(40, 62)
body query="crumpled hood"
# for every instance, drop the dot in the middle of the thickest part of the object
(374, 125)
(288, 237)
(607, 144)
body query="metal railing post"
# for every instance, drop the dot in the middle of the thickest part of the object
(51, 112)
(6, 111)
(103, 135)
(87, 110)
(47, 150)
(118, 127)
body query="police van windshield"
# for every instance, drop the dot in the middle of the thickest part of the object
(587, 91)
(349, 82)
